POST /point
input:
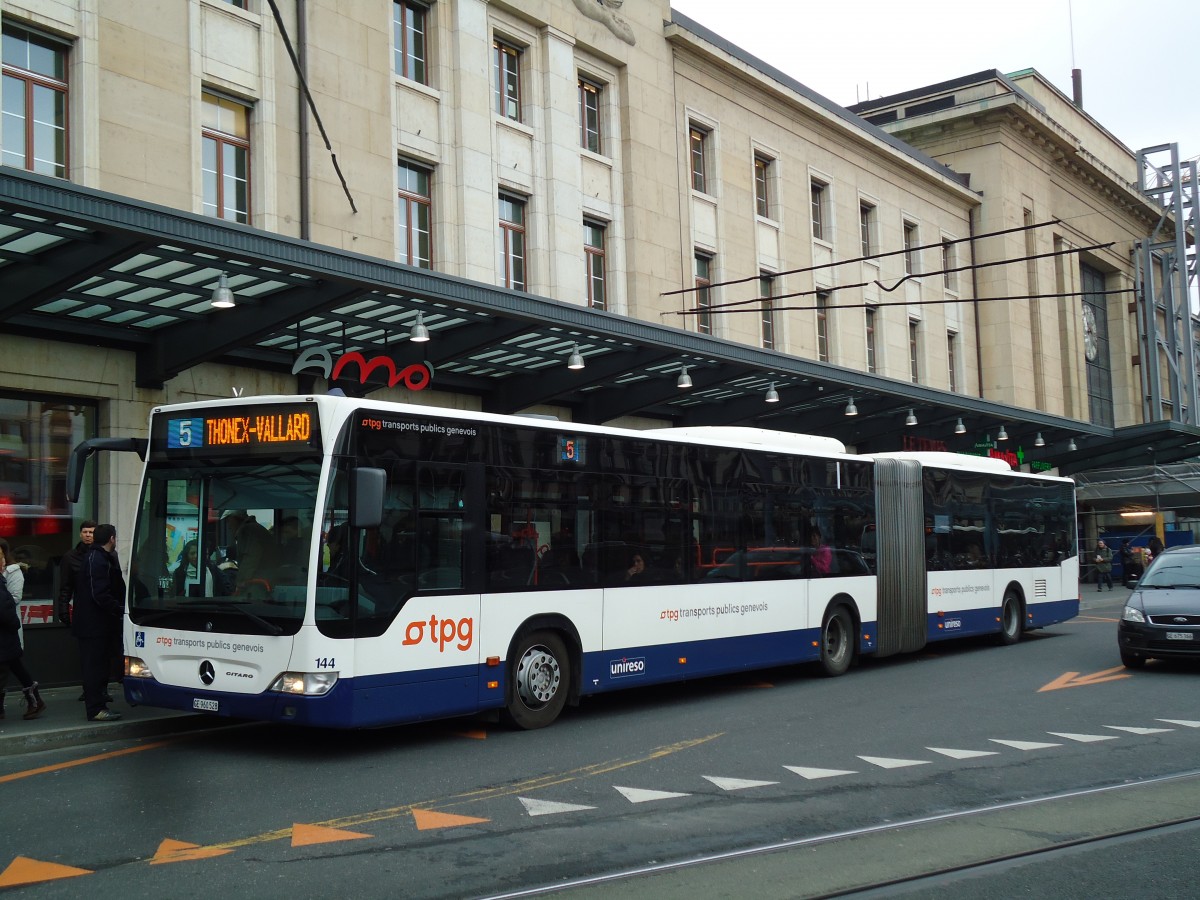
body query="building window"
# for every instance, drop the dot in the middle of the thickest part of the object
(823, 326)
(35, 102)
(819, 193)
(240, 4)
(589, 116)
(38, 522)
(511, 262)
(952, 358)
(593, 249)
(762, 185)
(704, 293)
(225, 160)
(911, 266)
(866, 225)
(414, 215)
(949, 263)
(872, 364)
(914, 350)
(698, 139)
(506, 69)
(766, 290)
(1095, 346)
(409, 40)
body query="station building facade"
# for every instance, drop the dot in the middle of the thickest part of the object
(616, 160)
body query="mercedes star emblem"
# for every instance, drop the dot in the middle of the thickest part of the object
(207, 673)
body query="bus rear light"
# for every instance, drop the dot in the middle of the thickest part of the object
(493, 660)
(310, 684)
(136, 667)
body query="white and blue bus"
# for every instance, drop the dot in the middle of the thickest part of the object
(346, 563)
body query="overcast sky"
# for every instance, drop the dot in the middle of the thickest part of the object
(1139, 80)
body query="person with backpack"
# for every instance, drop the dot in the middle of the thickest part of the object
(11, 652)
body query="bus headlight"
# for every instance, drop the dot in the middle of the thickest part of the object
(310, 684)
(135, 667)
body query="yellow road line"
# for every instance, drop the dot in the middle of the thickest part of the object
(87, 760)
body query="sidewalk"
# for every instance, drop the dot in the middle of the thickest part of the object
(63, 723)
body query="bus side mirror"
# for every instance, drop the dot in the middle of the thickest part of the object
(369, 486)
(84, 449)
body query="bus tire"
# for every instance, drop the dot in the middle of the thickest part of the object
(539, 680)
(837, 641)
(1010, 618)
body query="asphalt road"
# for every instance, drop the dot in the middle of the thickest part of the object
(967, 770)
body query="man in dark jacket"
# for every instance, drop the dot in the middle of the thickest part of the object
(97, 618)
(68, 571)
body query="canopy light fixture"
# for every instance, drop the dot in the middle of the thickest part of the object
(851, 409)
(1071, 445)
(772, 394)
(419, 333)
(959, 427)
(684, 381)
(576, 360)
(1039, 441)
(911, 418)
(222, 296)
(1003, 435)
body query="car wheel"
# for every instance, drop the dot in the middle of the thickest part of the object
(539, 680)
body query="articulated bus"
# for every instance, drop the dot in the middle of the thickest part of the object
(345, 563)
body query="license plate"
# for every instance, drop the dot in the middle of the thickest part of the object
(211, 705)
(1179, 635)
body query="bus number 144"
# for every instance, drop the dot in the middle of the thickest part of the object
(326, 662)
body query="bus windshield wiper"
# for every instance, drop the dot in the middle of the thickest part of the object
(210, 605)
(233, 606)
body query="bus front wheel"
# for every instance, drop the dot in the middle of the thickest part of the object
(1010, 618)
(837, 641)
(539, 680)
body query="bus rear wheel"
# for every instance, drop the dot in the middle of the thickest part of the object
(539, 680)
(1010, 618)
(837, 641)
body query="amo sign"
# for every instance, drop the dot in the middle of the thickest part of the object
(416, 377)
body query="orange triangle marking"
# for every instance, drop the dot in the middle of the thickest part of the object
(23, 870)
(303, 835)
(478, 735)
(427, 819)
(170, 851)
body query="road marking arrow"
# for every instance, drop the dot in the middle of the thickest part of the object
(1074, 679)
(303, 835)
(23, 870)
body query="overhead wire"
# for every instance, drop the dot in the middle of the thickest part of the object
(758, 301)
(868, 258)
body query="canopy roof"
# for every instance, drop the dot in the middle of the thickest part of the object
(84, 266)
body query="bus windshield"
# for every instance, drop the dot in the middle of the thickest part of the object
(224, 548)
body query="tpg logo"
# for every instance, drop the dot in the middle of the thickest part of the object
(621, 668)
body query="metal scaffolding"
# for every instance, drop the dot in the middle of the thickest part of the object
(1165, 273)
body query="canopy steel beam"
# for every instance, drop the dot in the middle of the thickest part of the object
(178, 347)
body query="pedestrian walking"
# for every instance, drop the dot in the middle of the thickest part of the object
(1103, 566)
(11, 653)
(97, 617)
(14, 579)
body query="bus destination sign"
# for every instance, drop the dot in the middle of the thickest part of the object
(255, 429)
